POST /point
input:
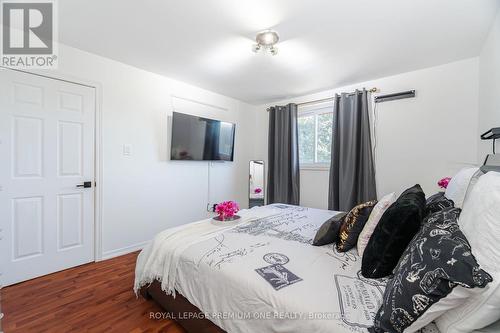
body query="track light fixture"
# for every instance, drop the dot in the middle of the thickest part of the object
(266, 41)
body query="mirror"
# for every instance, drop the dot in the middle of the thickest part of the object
(256, 184)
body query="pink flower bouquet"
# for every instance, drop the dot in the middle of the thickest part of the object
(443, 183)
(227, 209)
(257, 190)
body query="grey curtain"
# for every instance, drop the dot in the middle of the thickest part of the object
(352, 172)
(283, 170)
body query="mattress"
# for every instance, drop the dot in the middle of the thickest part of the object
(265, 276)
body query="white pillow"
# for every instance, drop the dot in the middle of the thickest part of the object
(457, 188)
(373, 220)
(480, 223)
(493, 328)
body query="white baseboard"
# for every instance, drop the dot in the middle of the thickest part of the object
(123, 250)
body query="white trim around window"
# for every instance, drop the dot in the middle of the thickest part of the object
(315, 166)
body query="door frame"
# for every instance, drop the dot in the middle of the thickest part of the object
(51, 74)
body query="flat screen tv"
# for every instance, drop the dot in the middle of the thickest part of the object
(201, 139)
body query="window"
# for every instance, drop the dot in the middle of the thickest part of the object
(315, 135)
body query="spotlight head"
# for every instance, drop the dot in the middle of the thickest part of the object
(256, 48)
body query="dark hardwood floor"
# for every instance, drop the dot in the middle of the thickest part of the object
(96, 297)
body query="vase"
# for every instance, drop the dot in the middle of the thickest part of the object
(226, 219)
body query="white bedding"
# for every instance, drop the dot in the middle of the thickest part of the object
(262, 275)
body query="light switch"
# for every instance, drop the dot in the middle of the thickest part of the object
(127, 149)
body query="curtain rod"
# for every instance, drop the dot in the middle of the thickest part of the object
(372, 90)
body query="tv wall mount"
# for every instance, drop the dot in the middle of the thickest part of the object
(492, 134)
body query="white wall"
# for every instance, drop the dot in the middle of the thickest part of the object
(489, 87)
(145, 193)
(419, 140)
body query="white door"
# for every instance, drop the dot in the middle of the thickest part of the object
(47, 150)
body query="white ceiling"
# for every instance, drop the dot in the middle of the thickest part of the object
(324, 43)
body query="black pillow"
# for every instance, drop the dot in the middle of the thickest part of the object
(353, 224)
(397, 226)
(437, 260)
(438, 202)
(329, 231)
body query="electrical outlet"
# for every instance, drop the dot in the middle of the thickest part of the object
(127, 149)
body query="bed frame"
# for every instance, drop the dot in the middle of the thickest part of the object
(180, 309)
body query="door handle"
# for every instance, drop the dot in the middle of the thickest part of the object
(85, 185)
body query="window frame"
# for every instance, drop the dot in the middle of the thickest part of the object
(315, 109)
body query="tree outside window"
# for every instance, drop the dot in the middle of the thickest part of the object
(315, 136)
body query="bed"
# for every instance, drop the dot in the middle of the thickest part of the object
(259, 275)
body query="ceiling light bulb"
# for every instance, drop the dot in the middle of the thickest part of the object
(267, 37)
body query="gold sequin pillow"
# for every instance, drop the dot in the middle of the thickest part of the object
(352, 225)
